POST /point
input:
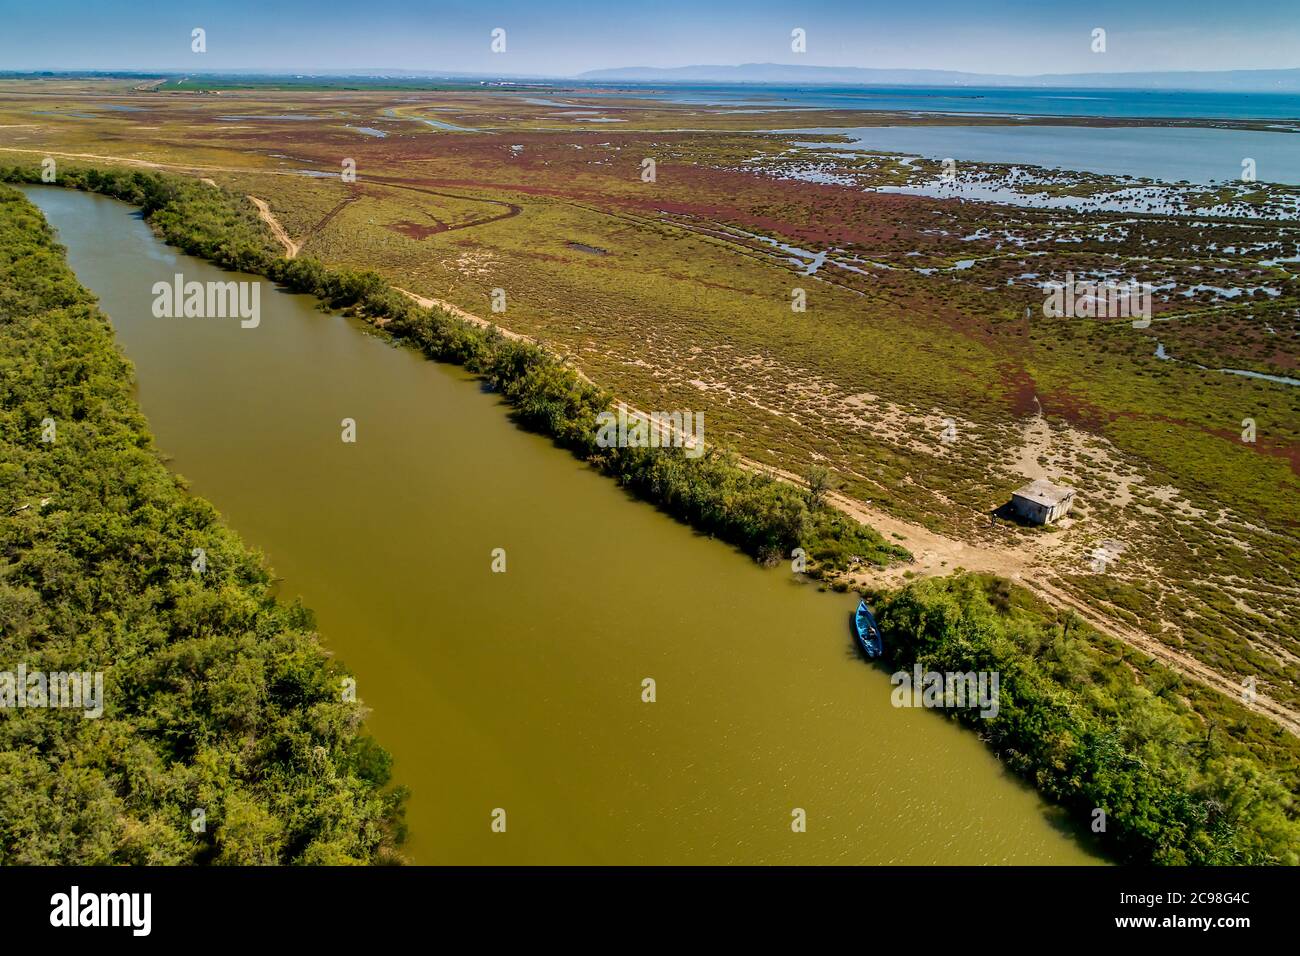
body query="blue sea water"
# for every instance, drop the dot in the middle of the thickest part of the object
(1170, 154)
(1197, 154)
(1116, 103)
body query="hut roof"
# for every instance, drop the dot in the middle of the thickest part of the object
(1043, 492)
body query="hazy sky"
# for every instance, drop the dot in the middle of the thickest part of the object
(563, 37)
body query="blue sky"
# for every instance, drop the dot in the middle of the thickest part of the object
(563, 37)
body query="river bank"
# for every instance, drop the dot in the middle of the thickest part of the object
(222, 733)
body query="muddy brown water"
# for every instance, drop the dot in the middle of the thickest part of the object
(522, 690)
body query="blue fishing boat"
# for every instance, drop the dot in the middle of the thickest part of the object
(864, 624)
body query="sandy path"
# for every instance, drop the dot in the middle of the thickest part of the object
(451, 307)
(264, 211)
(1176, 660)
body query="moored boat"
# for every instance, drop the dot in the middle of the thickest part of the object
(864, 624)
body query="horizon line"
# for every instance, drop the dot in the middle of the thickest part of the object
(419, 72)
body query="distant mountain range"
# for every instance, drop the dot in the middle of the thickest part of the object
(782, 74)
(1255, 81)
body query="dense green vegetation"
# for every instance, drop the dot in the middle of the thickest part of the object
(1093, 726)
(217, 697)
(766, 517)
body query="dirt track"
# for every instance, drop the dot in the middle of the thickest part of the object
(264, 210)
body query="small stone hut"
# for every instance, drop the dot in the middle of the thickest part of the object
(1041, 502)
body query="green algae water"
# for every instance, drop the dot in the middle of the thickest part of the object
(522, 691)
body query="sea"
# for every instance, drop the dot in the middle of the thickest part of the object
(1207, 152)
(972, 100)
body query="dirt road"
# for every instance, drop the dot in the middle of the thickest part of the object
(264, 210)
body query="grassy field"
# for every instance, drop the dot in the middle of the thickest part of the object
(923, 372)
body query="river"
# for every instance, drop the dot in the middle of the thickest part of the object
(522, 690)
